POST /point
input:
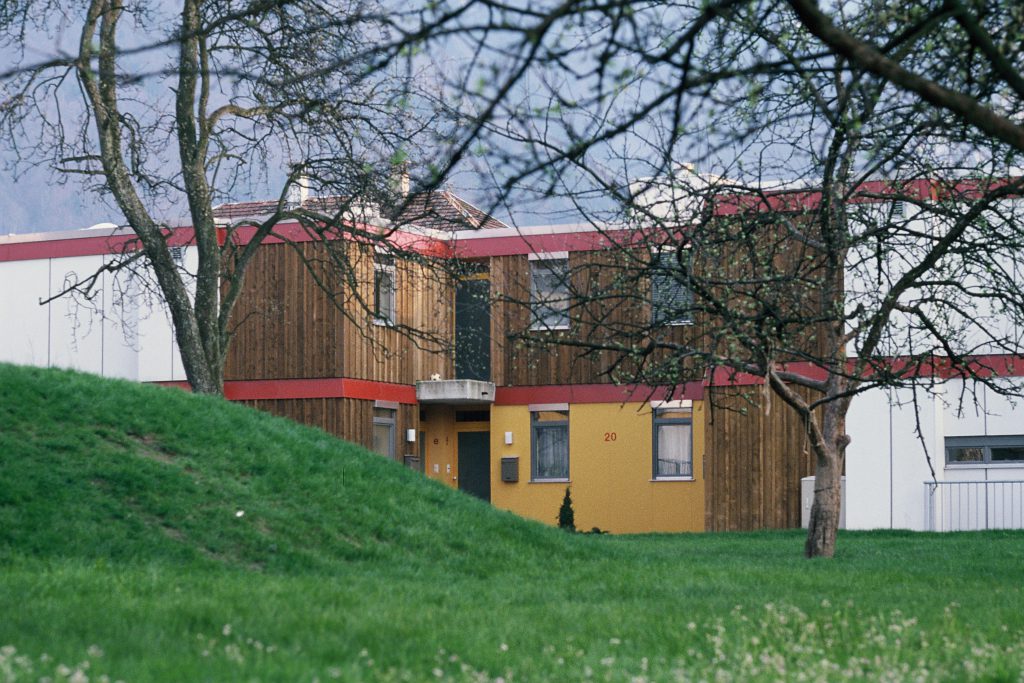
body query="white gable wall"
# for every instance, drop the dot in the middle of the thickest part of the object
(117, 334)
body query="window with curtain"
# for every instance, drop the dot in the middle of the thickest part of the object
(673, 443)
(550, 445)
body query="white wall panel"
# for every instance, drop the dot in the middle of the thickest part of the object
(867, 462)
(76, 328)
(24, 324)
(120, 327)
(886, 465)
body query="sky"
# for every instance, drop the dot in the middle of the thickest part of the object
(35, 199)
(36, 203)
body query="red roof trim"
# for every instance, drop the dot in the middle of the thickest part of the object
(336, 387)
(595, 393)
(540, 244)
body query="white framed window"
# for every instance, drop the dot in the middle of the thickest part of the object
(984, 450)
(549, 291)
(673, 443)
(549, 445)
(671, 296)
(384, 289)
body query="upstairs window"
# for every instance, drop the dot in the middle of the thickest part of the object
(384, 289)
(549, 292)
(671, 297)
(673, 443)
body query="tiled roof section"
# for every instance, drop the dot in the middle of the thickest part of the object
(443, 210)
(439, 210)
(240, 210)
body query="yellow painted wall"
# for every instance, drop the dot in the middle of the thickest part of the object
(441, 462)
(442, 435)
(610, 471)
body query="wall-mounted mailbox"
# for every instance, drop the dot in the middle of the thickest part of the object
(510, 468)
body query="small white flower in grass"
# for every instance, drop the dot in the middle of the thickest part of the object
(226, 630)
(614, 641)
(438, 673)
(503, 647)
(94, 651)
(239, 513)
(691, 626)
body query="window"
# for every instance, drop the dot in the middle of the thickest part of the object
(384, 432)
(671, 298)
(673, 443)
(550, 445)
(384, 290)
(984, 450)
(549, 292)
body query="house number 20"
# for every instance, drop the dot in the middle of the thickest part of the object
(610, 436)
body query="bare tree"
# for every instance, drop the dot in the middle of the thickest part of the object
(973, 56)
(841, 235)
(163, 105)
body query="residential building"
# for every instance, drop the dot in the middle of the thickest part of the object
(510, 422)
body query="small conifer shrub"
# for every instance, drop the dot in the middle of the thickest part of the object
(566, 516)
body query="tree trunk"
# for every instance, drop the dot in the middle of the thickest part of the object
(824, 522)
(203, 376)
(828, 480)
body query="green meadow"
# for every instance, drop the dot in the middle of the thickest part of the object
(150, 535)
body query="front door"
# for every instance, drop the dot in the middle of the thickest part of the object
(475, 464)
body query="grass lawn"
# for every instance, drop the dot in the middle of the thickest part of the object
(124, 556)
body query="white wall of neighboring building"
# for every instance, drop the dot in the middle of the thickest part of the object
(24, 324)
(887, 469)
(119, 333)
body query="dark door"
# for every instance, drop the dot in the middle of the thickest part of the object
(475, 464)
(473, 330)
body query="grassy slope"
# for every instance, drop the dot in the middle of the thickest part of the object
(121, 549)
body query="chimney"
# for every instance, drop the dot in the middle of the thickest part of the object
(400, 179)
(298, 192)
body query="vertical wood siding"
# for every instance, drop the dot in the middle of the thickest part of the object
(610, 303)
(287, 326)
(349, 419)
(753, 462)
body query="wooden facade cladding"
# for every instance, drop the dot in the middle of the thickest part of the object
(299, 318)
(420, 343)
(349, 419)
(286, 325)
(610, 302)
(753, 461)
